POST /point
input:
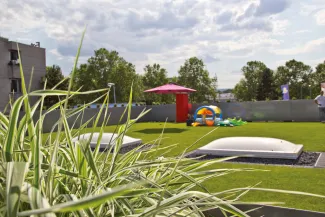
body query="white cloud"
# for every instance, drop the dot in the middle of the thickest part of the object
(302, 31)
(306, 48)
(320, 17)
(280, 26)
(225, 33)
(309, 7)
(56, 53)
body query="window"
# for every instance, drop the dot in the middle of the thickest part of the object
(15, 85)
(13, 55)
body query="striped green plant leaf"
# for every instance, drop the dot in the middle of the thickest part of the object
(89, 158)
(31, 79)
(90, 201)
(15, 176)
(37, 201)
(64, 92)
(11, 136)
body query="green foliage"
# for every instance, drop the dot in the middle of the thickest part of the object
(316, 78)
(247, 88)
(173, 79)
(194, 75)
(266, 87)
(107, 67)
(297, 75)
(155, 76)
(260, 82)
(53, 77)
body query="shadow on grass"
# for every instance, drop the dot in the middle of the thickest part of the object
(159, 130)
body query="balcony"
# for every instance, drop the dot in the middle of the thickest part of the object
(14, 62)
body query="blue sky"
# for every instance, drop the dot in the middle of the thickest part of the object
(224, 33)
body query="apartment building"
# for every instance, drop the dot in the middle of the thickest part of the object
(10, 80)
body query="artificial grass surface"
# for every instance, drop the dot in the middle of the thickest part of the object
(310, 180)
(311, 135)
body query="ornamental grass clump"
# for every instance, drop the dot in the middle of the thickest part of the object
(56, 176)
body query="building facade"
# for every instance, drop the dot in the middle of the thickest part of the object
(223, 97)
(32, 56)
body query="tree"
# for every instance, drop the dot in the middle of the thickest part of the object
(266, 88)
(317, 78)
(215, 86)
(247, 88)
(108, 67)
(194, 75)
(173, 79)
(240, 90)
(53, 76)
(155, 76)
(297, 75)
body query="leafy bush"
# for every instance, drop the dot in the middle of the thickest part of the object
(54, 175)
(115, 105)
(228, 100)
(294, 98)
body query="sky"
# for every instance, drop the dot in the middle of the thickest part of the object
(226, 34)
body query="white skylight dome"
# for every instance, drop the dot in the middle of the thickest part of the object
(252, 147)
(107, 140)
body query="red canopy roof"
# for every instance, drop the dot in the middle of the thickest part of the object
(170, 88)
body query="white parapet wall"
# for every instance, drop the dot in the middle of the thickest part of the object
(258, 147)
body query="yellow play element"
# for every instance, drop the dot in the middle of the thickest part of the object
(195, 124)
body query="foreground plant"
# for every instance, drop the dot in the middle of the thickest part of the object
(54, 176)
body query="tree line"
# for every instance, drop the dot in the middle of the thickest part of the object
(262, 83)
(106, 67)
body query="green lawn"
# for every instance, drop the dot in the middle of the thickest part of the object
(311, 180)
(311, 135)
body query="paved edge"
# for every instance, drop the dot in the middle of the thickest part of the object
(320, 163)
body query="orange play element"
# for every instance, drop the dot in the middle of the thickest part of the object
(209, 122)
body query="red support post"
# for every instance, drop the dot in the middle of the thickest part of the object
(182, 107)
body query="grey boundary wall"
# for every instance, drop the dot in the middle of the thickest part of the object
(295, 110)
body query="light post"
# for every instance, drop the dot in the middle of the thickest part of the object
(110, 85)
(309, 91)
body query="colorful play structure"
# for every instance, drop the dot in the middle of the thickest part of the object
(182, 105)
(212, 116)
